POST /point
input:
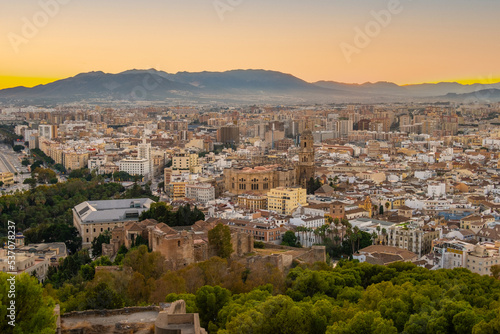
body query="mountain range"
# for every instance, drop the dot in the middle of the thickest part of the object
(237, 86)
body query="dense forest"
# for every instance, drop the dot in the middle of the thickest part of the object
(351, 298)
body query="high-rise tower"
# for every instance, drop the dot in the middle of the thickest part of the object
(306, 167)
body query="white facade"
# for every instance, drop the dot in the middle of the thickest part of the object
(144, 152)
(46, 131)
(308, 222)
(436, 189)
(201, 192)
(135, 166)
(96, 162)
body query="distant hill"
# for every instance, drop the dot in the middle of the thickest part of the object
(231, 86)
(484, 95)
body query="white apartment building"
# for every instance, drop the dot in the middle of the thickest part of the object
(201, 192)
(144, 152)
(47, 131)
(435, 189)
(479, 258)
(96, 162)
(135, 166)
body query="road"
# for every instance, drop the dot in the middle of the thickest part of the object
(6, 165)
(9, 162)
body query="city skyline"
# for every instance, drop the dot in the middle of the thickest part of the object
(403, 42)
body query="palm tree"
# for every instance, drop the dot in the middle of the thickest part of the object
(345, 225)
(300, 231)
(357, 234)
(352, 238)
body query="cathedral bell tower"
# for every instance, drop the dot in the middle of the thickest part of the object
(306, 168)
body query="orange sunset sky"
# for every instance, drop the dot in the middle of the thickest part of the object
(422, 41)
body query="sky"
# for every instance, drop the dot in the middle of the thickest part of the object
(353, 41)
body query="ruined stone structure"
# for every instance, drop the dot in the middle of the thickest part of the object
(284, 261)
(176, 320)
(180, 248)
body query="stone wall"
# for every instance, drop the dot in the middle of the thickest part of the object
(242, 243)
(177, 249)
(315, 254)
(107, 313)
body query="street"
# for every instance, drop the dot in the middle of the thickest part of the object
(9, 162)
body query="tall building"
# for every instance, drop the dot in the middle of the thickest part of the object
(345, 127)
(229, 135)
(305, 169)
(47, 131)
(185, 161)
(144, 152)
(286, 200)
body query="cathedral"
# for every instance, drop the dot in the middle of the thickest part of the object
(259, 179)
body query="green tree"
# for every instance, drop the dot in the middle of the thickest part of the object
(103, 238)
(364, 322)
(103, 297)
(148, 264)
(60, 168)
(18, 148)
(220, 239)
(44, 174)
(209, 301)
(289, 239)
(495, 271)
(463, 322)
(31, 182)
(34, 312)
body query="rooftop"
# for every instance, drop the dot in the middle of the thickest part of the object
(112, 210)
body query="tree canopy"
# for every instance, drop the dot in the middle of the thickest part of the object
(220, 239)
(163, 213)
(34, 312)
